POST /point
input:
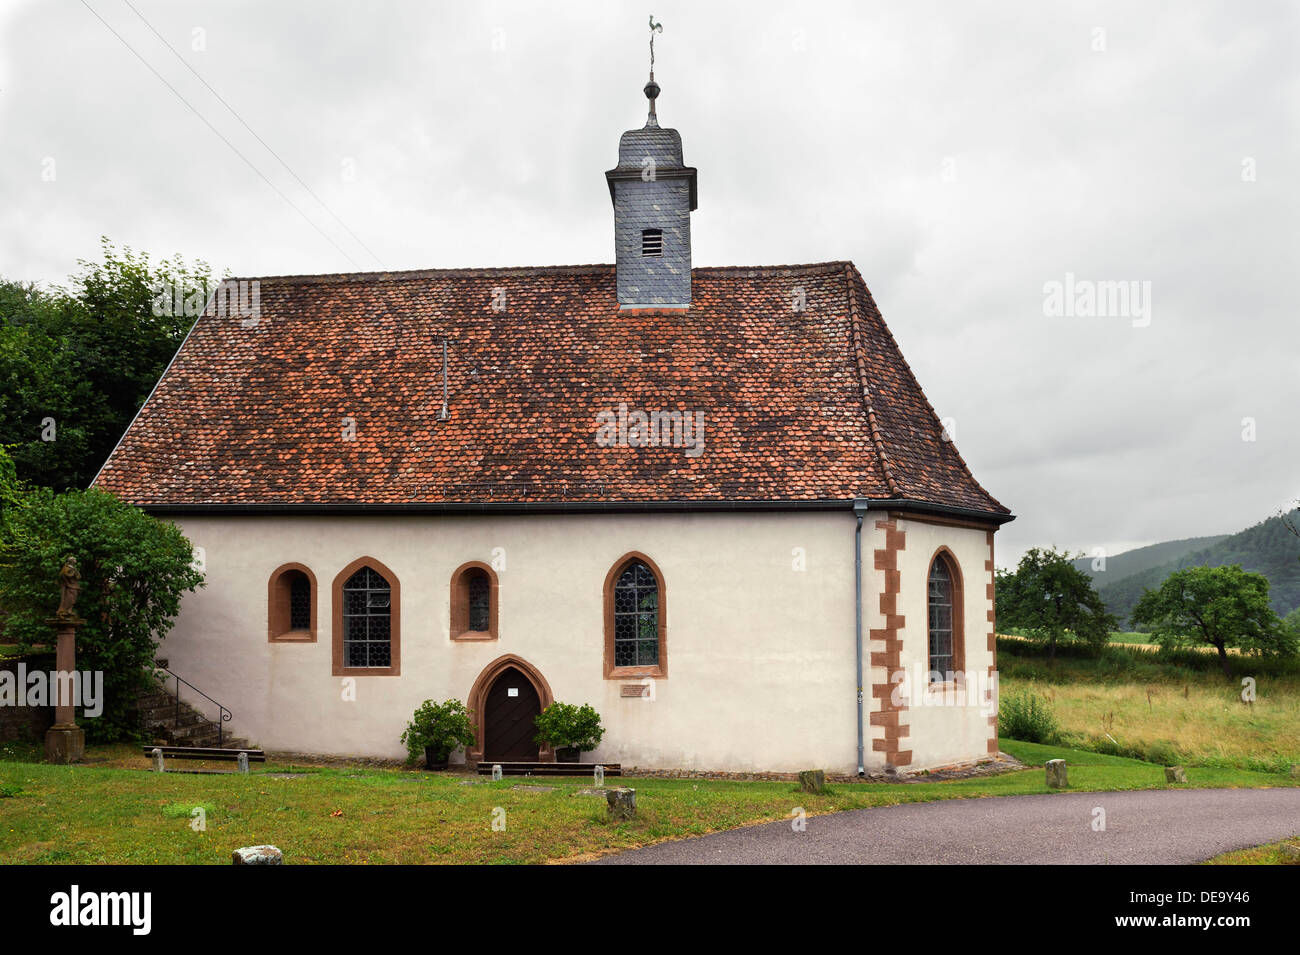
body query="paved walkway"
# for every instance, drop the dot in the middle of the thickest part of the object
(1157, 826)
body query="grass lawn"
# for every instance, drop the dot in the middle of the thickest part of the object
(1165, 713)
(1121, 637)
(98, 814)
(1261, 855)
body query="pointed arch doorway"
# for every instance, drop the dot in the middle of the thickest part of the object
(504, 700)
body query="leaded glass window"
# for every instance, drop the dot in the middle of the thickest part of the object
(480, 599)
(940, 599)
(299, 601)
(367, 620)
(636, 617)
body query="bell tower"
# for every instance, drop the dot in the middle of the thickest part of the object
(654, 193)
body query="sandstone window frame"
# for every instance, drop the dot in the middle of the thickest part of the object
(338, 659)
(659, 670)
(461, 580)
(279, 605)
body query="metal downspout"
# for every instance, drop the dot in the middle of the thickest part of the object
(860, 508)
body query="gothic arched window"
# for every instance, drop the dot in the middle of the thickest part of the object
(635, 618)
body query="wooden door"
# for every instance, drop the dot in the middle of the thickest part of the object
(508, 728)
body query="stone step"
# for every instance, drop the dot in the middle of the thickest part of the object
(190, 735)
(189, 726)
(168, 714)
(196, 728)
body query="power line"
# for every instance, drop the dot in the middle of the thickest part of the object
(250, 129)
(221, 137)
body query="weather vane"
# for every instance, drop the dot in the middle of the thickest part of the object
(654, 28)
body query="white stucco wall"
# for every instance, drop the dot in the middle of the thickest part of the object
(760, 655)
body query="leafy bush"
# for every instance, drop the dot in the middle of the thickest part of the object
(563, 724)
(440, 727)
(1028, 717)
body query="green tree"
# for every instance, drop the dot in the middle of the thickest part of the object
(1053, 601)
(11, 488)
(76, 363)
(1219, 606)
(134, 570)
(40, 390)
(1291, 624)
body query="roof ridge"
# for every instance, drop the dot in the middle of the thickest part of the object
(859, 360)
(402, 275)
(825, 267)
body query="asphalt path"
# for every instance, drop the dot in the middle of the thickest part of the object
(1147, 827)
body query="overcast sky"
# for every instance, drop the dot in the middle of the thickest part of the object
(963, 155)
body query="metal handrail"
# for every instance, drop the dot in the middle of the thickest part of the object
(222, 712)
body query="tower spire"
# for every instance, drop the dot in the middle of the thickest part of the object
(652, 88)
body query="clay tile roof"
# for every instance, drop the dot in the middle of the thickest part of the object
(798, 406)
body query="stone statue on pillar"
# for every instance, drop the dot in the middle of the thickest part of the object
(65, 741)
(69, 587)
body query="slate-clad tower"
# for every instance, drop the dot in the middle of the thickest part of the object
(653, 192)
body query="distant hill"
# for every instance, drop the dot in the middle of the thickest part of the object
(1268, 548)
(1135, 561)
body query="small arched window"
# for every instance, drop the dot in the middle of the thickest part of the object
(474, 602)
(480, 589)
(944, 599)
(299, 602)
(291, 602)
(635, 617)
(366, 620)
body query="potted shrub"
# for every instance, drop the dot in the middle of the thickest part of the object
(572, 730)
(437, 729)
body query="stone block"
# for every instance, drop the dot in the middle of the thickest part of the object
(1057, 778)
(257, 855)
(621, 803)
(812, 781)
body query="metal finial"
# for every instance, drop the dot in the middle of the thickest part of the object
(654, 28)
(652, 88)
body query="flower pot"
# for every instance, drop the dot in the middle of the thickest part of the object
(568, 754)
(434, 760)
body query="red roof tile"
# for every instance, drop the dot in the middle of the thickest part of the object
(814, 405)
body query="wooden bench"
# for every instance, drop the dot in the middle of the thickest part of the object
(205, 752)
(549, 769)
